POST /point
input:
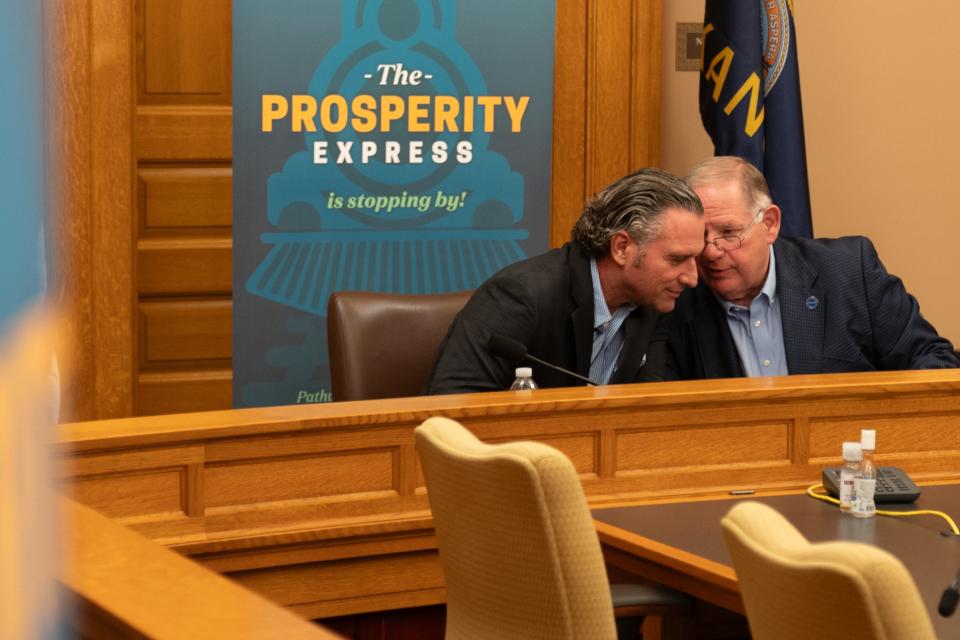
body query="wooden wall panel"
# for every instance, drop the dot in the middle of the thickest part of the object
(183, 198)
(185, 50)
(303, 477)
(179, 330)
(583, 450)
(568, 188)
(188, 133)
(899, 433)
(645, 74)
(139, 483)
(712, 446)
(623, 65)
(184, 259)
(606, 118)
(176, 390)
(333, 441)
(134, 494)
(185, 265)
(135, 460)
(609, 78)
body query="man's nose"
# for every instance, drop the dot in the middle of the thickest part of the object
(711, 252)
(688, 277)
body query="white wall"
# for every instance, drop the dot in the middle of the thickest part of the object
(683, 142)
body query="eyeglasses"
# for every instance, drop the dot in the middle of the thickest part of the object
(732, 243)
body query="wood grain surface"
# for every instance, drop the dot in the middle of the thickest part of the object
(311, 492)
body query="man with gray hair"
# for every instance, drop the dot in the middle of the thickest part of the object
(769, 305)
(594, 306)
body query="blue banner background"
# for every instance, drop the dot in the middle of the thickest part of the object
(292, 248)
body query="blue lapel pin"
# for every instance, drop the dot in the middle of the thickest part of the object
(812, 303)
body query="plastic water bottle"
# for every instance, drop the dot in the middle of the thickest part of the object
(524, 379)
(865, 482)
(848, 472)
(868, 444)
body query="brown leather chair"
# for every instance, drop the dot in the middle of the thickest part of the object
(382, 345)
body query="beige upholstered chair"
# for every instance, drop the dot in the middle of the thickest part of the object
(795, 589)
(382, 345)
(520, 555)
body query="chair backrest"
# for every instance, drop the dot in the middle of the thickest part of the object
(520, 556)
(795, 589)
(382, 345)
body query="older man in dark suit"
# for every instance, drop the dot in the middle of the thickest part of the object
(775, 306)
(596, 305)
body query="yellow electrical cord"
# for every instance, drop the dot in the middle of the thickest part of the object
(811, 491)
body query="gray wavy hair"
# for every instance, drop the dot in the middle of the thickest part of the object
(635, 204)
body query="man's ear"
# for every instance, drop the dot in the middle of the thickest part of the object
(771, 222)
(620, 243)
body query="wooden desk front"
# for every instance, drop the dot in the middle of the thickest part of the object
(681, 544)
(322, 508)
(124, 586)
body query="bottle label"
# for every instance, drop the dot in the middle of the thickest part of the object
(846, 488)
(864, 504)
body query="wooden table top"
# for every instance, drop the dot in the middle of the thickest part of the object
(687, 538)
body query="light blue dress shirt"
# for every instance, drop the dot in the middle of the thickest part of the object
(757, 330)
(607, 331)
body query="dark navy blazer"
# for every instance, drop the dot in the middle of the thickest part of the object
(546, 303)
(840, 310)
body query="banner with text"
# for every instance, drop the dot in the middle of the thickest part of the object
(399, 146)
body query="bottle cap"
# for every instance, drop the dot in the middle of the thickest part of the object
(852, 451)
(868, 439)
(524, 372)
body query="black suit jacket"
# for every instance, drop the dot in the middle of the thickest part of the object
(840, 310)
(546, 303)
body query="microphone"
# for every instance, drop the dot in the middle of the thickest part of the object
(514, 350)
(950, 598)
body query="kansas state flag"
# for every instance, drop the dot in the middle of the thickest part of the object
(750, 97)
